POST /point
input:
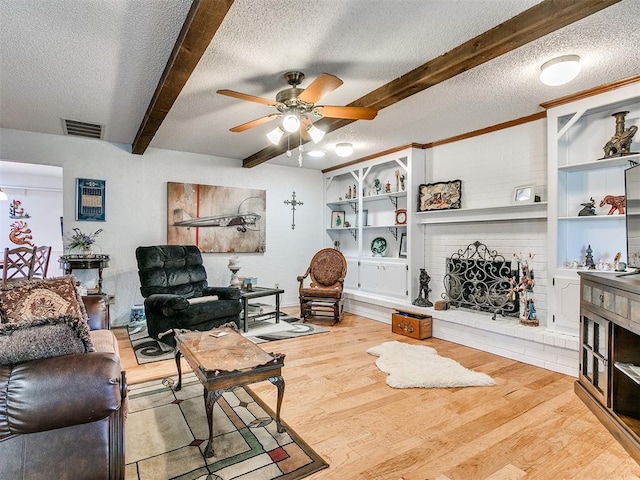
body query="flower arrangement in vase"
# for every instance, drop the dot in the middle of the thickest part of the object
(83, 242)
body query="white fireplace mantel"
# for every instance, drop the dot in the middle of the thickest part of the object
(521, 211)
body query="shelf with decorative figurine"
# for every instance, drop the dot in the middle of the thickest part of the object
(615, 162)
(391, 196)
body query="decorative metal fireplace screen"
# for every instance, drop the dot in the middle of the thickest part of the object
(480, 279)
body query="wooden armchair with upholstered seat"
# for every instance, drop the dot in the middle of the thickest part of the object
(322, 299)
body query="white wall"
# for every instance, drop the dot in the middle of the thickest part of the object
(39, 189)
(490, 167)
(136, 207)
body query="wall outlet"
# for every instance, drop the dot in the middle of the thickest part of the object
(111, 299)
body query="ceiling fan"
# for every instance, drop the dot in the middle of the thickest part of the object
(295, 106)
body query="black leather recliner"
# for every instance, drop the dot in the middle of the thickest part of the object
(174, 285)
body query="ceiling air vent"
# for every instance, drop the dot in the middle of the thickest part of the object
(82, 129)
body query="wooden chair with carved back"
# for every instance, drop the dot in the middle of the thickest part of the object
(322, 299)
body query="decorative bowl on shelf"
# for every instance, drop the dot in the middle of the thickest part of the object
(378, 246)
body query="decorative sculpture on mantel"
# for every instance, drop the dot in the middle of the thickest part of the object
(423, 296)
(620, 143)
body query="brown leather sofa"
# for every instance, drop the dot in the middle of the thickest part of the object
(63, 417)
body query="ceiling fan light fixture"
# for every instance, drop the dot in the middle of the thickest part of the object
(316, 153)
(560, 70)
(344, 149)
(275, 135)
(3, 195)
(315, 133)
(291, 122)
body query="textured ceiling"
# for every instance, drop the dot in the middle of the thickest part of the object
(100, 62)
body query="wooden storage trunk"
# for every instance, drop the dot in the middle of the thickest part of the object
(411, 324)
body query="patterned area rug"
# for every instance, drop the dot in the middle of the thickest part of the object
(148, 350)
(167, 433)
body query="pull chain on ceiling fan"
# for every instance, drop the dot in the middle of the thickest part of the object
(295, 105)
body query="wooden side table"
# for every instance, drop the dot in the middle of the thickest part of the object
(71, 262)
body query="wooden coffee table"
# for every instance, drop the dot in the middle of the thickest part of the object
(223, 358)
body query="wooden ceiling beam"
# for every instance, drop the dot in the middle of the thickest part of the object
(201, 24)
(532, 24)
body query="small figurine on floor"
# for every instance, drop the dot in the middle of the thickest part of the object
(423, 296)
(589, 209)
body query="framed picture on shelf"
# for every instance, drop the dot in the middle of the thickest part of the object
(90, 199)
(337, 219)
(524, 194)
(439, 196)
(402, 253)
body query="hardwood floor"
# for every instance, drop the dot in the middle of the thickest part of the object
(530, 425)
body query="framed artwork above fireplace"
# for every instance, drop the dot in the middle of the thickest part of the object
(439, 196)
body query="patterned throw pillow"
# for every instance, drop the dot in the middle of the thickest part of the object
(38, 299)
(42, 318)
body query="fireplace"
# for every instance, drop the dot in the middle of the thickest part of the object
(478, 278)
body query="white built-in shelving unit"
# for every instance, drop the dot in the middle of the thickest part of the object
(577, 172)
(370, 215)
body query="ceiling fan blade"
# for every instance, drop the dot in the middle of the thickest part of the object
(254, 123)
(305, 123)
(350, 113)
(325, 83)
(245, 96)
(305, 134)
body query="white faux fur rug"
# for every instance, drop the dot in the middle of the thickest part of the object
(419, 366)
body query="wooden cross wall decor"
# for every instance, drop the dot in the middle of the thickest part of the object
(294, 203)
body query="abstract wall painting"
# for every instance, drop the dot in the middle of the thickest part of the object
(216, 219)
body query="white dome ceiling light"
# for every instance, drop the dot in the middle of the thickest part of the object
(344, 149)
(560, 70)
